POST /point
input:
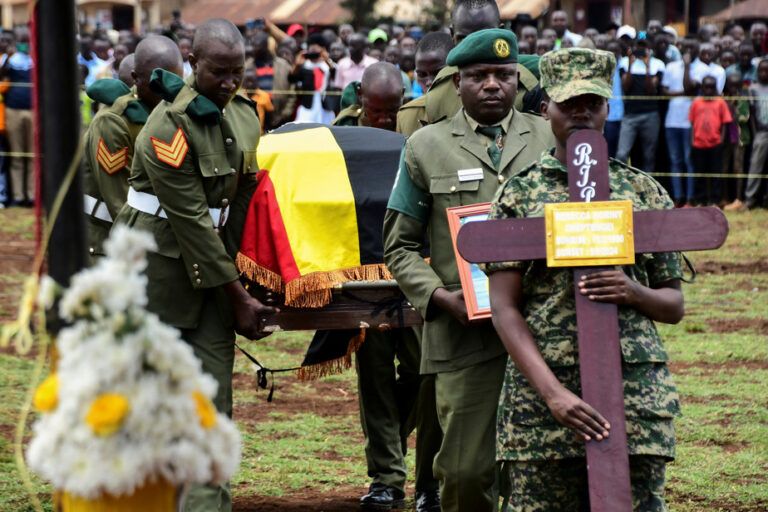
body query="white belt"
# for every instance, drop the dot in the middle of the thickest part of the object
(96, 208)
(150, 204)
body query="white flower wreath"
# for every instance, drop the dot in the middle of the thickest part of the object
(129, 403)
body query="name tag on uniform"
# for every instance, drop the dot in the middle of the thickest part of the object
(471, 174)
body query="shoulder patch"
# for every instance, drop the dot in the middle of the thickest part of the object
(111, 162)
(171, 153)
(419, 102)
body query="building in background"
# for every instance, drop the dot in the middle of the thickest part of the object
(135, 15)
(13, 12)
(685, 15)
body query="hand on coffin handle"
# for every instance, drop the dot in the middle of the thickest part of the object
(248, 311)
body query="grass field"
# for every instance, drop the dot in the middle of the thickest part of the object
(304, 450)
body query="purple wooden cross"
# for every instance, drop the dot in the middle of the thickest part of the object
(598, 331)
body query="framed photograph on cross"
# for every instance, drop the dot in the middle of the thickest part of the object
(473, 281)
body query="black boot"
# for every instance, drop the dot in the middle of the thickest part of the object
(428, 501)
(382, 497)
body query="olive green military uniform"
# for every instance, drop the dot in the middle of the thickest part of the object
(108, 155)
(394, 399)
(191, 161)
(412, 116)
(441, 100)
(468, 360)
(353, 115)
(448, 164)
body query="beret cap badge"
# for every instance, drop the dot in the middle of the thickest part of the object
(501, 48)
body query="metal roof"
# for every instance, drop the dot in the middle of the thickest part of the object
(310, 12)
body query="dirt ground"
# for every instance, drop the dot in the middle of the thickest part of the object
(17, 253)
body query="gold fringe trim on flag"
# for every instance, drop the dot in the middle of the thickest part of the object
(259, 274)
(313, 290)
(334, 366)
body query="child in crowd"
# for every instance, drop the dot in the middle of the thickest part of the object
(758, 93)
(736, 139)
(261, 98)
(709, 116)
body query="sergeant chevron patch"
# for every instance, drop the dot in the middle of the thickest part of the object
(111, 162)
(172, 153)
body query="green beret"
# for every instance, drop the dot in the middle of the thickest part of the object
(575, 71)
(107, 90)
(490, 46)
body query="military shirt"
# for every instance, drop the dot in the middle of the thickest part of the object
(108, 154)
(527, 430)
(428, 182)
(353, 115)
(192, 157)
(412, 116)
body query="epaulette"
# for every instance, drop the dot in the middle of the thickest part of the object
(446, 73)
(420, 102)
(348, 116)
(625, 165)
(168, 85)
(107, 90)
(531, 63)
(528, 168)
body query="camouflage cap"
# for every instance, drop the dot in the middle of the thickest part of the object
(489, 46)
(575, 71)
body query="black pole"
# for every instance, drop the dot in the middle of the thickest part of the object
(58, 111)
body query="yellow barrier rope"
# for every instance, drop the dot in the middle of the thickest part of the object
(19, 331)
(338, 93)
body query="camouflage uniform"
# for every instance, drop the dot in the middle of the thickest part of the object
(527, 430)
(560, 485)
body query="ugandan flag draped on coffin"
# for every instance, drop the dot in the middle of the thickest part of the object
(316, 217)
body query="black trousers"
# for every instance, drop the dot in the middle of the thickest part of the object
(707, 190)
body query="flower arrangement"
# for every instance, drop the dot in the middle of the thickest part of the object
(129, 403)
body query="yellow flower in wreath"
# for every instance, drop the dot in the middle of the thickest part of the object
(47, 394)
(205, 410)
(107, 414)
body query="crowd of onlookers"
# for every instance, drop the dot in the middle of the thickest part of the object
(17, 183)
(693, 110)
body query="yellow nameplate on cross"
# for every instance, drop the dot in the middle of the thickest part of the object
(589, 234)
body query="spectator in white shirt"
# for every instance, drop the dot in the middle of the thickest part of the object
(677, 82)
(707, 67)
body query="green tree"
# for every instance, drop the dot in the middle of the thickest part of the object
(361, 11)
